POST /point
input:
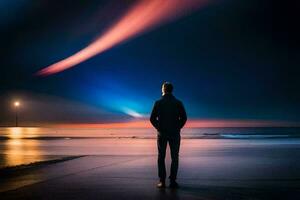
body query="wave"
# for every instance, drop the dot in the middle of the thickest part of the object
(254, 136)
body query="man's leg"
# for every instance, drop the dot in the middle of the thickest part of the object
(162, 146)
(174, 143)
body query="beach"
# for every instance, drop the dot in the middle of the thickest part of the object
(125, 168)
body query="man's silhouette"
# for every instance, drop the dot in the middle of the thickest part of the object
(168, 117)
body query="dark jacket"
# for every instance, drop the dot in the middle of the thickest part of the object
(168, 115)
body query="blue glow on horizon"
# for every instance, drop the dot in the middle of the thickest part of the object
(116, 96)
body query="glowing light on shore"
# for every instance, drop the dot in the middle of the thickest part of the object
(18, 151)
(144, 15)
(22, 132)
(15, 133)
(16, 103)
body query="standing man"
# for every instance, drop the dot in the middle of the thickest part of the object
(168, 117)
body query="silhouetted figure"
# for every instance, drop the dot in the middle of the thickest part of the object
(168, 117)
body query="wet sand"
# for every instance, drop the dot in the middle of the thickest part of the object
(126, 169)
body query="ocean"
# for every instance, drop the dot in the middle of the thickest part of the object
(145, 133)
(27, 145)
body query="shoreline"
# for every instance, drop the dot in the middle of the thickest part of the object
(8, 171)
(110, 168)
(134, 177)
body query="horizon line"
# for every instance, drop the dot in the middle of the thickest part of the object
(193, 123)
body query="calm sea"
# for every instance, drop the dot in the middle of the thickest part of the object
(25, 145)
(191, 133)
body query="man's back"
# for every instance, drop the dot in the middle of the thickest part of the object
(168, 115)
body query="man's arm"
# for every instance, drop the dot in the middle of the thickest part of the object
(182, 115)
(154, 116)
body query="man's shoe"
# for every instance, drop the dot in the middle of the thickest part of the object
(173, 184)
(161, 184)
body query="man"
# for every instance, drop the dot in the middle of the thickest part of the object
(168, 117)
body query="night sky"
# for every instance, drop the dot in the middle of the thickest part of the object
(230, 59)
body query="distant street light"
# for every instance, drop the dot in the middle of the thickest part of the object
(17, 105)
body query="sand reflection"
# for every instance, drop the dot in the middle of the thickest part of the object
(21, 132)
(18, 150)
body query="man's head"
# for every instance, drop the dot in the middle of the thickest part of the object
(167, 88)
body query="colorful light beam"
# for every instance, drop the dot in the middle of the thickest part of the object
(143, 16)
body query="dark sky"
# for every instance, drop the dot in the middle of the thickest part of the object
(231, 59)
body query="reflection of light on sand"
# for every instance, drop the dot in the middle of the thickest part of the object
(22, 132)
(15, 133)
(21, 151)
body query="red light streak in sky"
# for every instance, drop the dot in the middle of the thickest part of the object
(143, 16)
